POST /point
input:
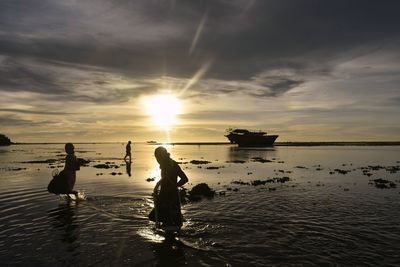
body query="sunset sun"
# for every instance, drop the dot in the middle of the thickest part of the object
(163, 109)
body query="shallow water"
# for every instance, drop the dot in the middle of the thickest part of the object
(319, 217)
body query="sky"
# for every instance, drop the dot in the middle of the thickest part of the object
(307, 70)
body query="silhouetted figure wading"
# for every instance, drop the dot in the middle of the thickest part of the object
(167, 201)
(71, 166)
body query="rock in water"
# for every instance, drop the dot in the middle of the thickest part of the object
(199, 191)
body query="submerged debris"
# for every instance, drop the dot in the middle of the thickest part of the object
(301, 167)
(240, 182)
(13, 169)
(236, 161)
(259, 159)
(393, 169)
(263, 182)
(375, 167)
(82, 162)
(107, 165)
(102, 166)
(42, 161)
(273, 180)
(200, 161)
(259, 182)
(366, 172)
(342, 171)
(214, 167)
(383, 184)
(369, 168)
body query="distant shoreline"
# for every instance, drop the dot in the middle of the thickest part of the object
(366, 143)
(329, 143)
(372, 143)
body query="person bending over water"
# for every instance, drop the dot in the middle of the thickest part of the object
(71, 166)
(168, 204)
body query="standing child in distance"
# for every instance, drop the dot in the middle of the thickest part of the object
(128, 152)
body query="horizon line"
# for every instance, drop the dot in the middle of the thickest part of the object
(282, 143)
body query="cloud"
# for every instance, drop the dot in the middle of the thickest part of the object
(36, 112)
(60, 82)
(25, 76)
(13, 121)
(155, 37)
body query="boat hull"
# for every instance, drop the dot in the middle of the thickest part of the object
(252, 140)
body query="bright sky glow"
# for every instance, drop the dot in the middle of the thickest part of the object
(163, 109)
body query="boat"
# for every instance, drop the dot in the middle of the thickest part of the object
(151, 142)
(246, 138)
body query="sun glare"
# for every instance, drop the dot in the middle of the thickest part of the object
(163, 109)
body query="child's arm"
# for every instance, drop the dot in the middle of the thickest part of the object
(184, 179)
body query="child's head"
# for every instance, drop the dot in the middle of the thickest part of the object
(161, 154)
(69, 148)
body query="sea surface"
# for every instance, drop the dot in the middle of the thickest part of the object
(286, 206)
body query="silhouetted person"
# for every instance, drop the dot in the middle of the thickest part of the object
(167, 201)
(128, 151)
(71, 166)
